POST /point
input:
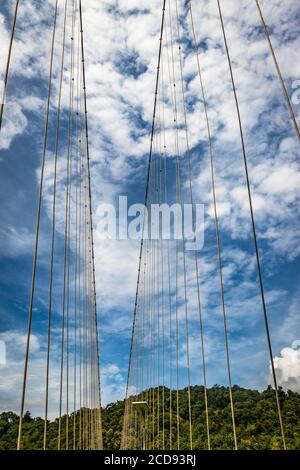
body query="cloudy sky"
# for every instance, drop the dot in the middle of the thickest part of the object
(121, 42)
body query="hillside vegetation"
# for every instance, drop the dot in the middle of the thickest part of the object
(255, 413)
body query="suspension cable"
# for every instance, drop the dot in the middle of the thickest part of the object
(54, 224)
(147, 190)
(285, 93)
(94, 294)
(6, 73)
(190, 185)
(264, 307)
(199, 301)
(37, 231)
(179, 201)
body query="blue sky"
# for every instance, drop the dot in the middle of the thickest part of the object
(121, 53)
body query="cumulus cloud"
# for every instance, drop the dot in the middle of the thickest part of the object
(113, 378)
(287, 367)
(11, 372)
(113, 381)
(15, 124)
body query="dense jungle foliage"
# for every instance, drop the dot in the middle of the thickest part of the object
(255, 413)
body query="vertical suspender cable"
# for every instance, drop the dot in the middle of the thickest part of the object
(37, 232)
(193, 224)
(162, 189)
(147, 185)
(65, 299)
(180, 201)
(156, 255)
(220, 264)
(200, 314)
(54, 224)
(169, 267)
(6, 73)
(94, 300)
(77, 229)
(264, 307)
(285, 93)
(80, 313)
(71, 158)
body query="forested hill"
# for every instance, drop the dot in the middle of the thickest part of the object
(255, 413)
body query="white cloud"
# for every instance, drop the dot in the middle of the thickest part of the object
(285, 179)
(16, 241)
(113, 382)
(116, 270)
(287, 367)
(14, 124)
(112, 377)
